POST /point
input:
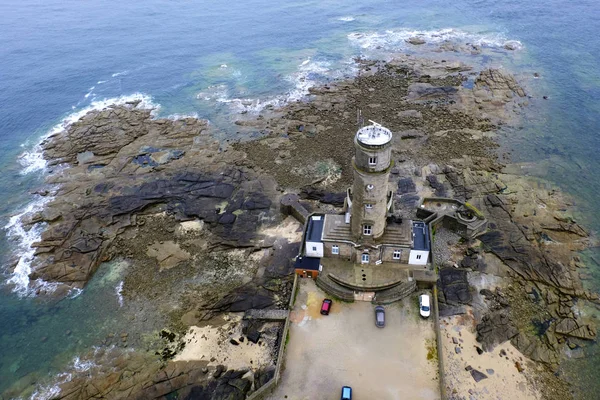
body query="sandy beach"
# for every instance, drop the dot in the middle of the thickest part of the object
(502, 380)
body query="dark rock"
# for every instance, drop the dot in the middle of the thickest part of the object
(406, 185)
(245, 298)
(243, 385)
(455, 286)
(234, 342)
(254, 336)
(495, 328)
(218, 371)
(336, 199)
(477, 375)
(479, 350)
(438, 187)
(415, 40)
(263, 375)
(227, 219)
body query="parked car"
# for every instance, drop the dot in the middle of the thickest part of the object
(326, 306)
(346, 393)
(379, 316)
(424, 305)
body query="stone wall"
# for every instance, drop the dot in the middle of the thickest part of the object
(345, 250)
(388, 254)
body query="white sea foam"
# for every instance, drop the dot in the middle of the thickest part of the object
(82, 366)
(24, 239)
(46, 392)
(176, 117)
(100, 82)
(213, 93)
(122, 73)
(52, 391)
(310, 73)
(90, 92)
(347, 18)
(393, 40)
(75, 292)
(119, 292)
(32, 160)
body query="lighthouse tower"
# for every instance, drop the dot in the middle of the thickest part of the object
(370, 200)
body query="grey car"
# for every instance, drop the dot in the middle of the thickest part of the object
(379, 316)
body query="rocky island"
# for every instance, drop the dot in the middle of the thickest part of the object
(196, 223)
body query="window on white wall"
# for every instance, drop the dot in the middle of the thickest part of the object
(372, 161)
(314, 248)
(368, 206)
(397, 254)
(367, 229)
(418, 257)
(365, 258)
(335, 249)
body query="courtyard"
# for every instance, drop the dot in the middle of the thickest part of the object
(345, 348)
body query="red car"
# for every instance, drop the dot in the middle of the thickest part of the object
(326, 306)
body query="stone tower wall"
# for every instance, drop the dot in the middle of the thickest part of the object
(364, 175)
(377, 197)
(362, 154)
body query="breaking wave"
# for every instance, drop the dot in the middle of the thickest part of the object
(310, 73)
(119, 293)
(122, 73)
(52, 391)
(394, 40)
(17, 232)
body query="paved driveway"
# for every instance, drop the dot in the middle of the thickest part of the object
(325, 353)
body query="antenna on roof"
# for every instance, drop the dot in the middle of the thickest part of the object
(375, 123)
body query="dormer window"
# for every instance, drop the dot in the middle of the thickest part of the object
(368, 206)
(367, 229)
(370, 187)
(372, 161)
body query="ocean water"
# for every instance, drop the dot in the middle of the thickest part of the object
(215, 59)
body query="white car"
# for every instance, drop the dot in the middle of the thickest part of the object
(424, 305)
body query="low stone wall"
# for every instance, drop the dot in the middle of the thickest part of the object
(386, 285)
(334, 289)
(396, 293)
(440, 350)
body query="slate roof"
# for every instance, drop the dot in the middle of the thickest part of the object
(421, 236)
(307, 263)
(314, 232)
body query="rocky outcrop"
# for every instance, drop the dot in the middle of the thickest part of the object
(120, 163)
(495, 328)
(455, 287)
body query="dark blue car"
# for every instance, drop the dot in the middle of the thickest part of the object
(346, 393)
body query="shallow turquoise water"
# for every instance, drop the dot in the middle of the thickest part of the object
(57, 57)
